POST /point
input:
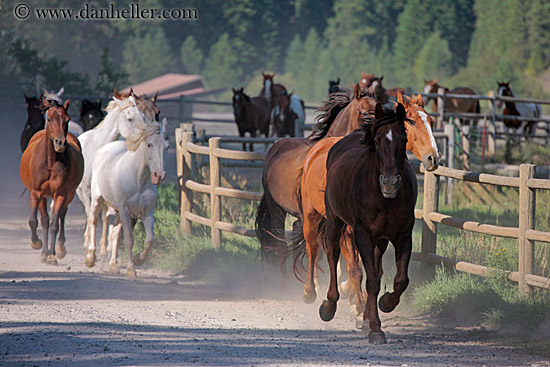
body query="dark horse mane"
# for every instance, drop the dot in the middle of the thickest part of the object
(330, 108)
(371, 126)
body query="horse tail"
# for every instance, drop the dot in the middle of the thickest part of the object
(271, 238)
(261, 226)
(478, 109)
(297, 246)
(335, 103)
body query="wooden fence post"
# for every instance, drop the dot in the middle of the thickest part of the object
(466, 147)
(526, 221)
(440, 107)
(215, 200)
(492, 130)
(449, 130)
(429, 228)
(187, 163)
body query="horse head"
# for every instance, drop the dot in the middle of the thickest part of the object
(35, 117)
(378, 90)
(366, 80)
(239, 99)
(333, 86)
(57, 124)
(504, 90)
(361, 106)
(90, 114)
(385, 134)
(430, 86)
(148, 106)
(420, 139)
(157, 144)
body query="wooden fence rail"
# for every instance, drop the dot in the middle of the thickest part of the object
(525, 233)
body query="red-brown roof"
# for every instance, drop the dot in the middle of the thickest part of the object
(167, 82)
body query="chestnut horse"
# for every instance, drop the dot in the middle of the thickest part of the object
(35, 121)
(51, 166)
(251, 114)
(313, 179)
(517, 109)
(366, 80)
(452, 104)
(372, 189)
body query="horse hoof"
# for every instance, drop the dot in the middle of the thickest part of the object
(309, 297)
(89, 260)
(382, 303)
(377, 337)
(138, 260)
(113, 269)
(131, 274)
(43, 258)
(51, 260)
(60, 251)
(327, 311)
(36, 245)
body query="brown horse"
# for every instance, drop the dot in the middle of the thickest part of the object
(35, 121)
(392, 92)
(251, 114)
(366, 80)
(452, 104)
(420, 141)
(271, 90)
(51, 166)
(378, 90)
(372, 189)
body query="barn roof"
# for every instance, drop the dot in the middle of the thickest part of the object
(171, 85)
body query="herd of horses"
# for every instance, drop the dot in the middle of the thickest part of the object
(113, 166)
(349, 183)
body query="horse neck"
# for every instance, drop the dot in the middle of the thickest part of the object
(108, 130)
(341, 125)
(138, 169)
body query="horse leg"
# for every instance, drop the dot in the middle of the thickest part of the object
(85, 198)
(312, 250)
(61, 250)
(403, 248)
(103, 241)
(366, 246)
(148, 223)
(333, 232)
(36, 243)
(93, 217)
(128, 229)
(45, 221)
(59, 205)
(113, 242)
(355, 271)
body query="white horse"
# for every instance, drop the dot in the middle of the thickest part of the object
(123, 117)
(125, 175)
(74, 127)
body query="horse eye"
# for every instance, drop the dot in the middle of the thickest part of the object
(149, 145)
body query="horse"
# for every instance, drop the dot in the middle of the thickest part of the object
(251, 114)
(452, 104)
(333, 86)
(51, 97)
(52, 165)
(35, 121)
(366, 80)
(125, 176)
(272, 91)
(371, 188)
(378, 90)
(341, 114)
(123, 117)
(517, 109)
(290, 111)
(90, 114)
(392, 92)
(312, 175)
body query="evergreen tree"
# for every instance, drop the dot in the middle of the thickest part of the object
(110, 75)
(191, 56)
(433, 60)
(538, 21)
(224, 66)
(294, 57)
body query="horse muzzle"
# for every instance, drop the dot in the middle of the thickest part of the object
(390, 185)
(430, 162)
(59, 145)
(157, 178)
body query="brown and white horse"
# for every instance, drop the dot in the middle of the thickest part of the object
(517, 109)
(452, 104)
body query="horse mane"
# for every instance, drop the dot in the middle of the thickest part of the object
(371, 126)
(123, 104)
(134, 141)
(330, 108)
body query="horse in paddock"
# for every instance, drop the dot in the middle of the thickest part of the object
(272, 91)
(313, 175)
(51, 166)
(333, 86)
(517, 109)
(378, 90)
(287, 113)
(252, 115)
(452, 104)
(371, 188)
(35, 121)
(125, 176)
(90, 114)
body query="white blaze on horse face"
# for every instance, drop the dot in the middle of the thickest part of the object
(374, 85)
(424, 118)
(364, 81)
(267, 89)
(389, 136)
(499, 93)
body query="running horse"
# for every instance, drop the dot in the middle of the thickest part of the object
(371, 188)
(51, 166)
(251, 114)
(313, 175)
(366, 80)
(517, 109)
(90, 114)
(35, 121)
(452, 104)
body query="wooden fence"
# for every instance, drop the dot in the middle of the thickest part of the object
(526, 234)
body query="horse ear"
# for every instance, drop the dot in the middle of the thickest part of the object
(61, 91)
(66, 105)
(426, 82)
(419, 101)
(378, 111)
(509, 81)
(116, 94)
(154, 99)
(46, 103)
(399, 97)
(400, 112)
(357, 91)
(382, 77)
(435, 81)
(26, 98)
(263, 74)
(234, 91)
(338, 81)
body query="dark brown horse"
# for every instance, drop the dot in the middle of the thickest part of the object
(452, 104)
(51, 166)
(283, 118)
(35, 121)
(90, 114)
(333, 86)
(251, 114)
(378, 90)
(372, 189)
(517, 109)
(271, 90)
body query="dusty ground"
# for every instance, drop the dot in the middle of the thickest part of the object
(70, 315)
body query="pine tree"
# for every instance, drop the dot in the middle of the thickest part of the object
(224, 66)
(110, 75)
(191, 56)
(433, 60)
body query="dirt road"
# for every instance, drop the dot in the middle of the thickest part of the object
(70, 315)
